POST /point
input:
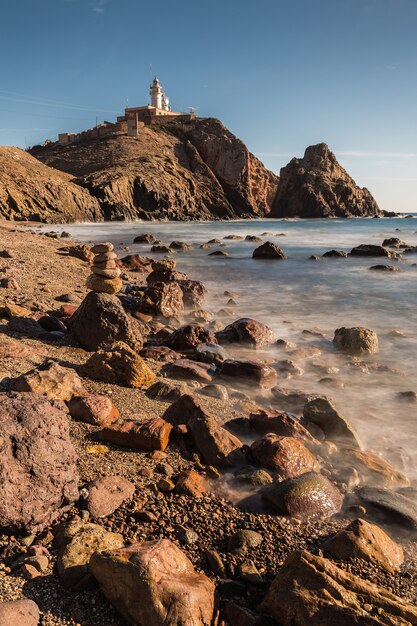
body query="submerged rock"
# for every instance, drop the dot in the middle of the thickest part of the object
(269, 250)
(356, 340)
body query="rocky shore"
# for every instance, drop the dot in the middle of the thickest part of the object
(156, 469)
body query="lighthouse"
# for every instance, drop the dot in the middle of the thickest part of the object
(158, 98)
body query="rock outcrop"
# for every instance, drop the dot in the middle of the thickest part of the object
(317, 186)
(29, 190)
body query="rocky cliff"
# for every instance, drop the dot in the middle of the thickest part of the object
(30, 190)
(317, 186)
(179, 171)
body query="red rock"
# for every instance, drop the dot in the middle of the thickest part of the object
(29, 571)
(108, 493)
(191, 483)
(246, 331)
(66, 310)
(253, 373)
(280, 423)
(163, 299)
(286, 455)
(185, 409)
(19, 613)
(187, 338)
(93, 409)
(152, 434)
(189, 370)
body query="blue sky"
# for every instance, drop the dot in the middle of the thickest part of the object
(280, 74)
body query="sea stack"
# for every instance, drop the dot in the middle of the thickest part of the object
(105, 277)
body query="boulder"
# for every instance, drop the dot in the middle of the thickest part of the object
(312, 591)
(193, 293)
(210, 353)
(119, 365)
(268, 250)
(165, 276)
(286, 455)
(252, 373)
(335, 254)
(191, 483)
(154, 583)
(134, 262)
(151, 434)
(247, 332)
(162, 299)
(50, 380)
(371, 250)
(308, 495)
(187, 338)
(322, 413)
(38, 472)
(270, 421)
(107, 493)
(100, 321)
(76, 542)
(189, 370)
(356, 340)
(94, 409)
(19, 613)
(362, 540)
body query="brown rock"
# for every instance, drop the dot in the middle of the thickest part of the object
(362, 540)
(286, 455)
(102, 248)
(80, 251)
(253, 373)
(312, 591)
(191, 483)
(136, 263)
(268, 250)
(356, 340)
(322, 413)
(93, 409)
(38, 473)
(246, 331)
(51, 380)
(119, 365)
(185, 409)
(154, 583)
(152, 434)
(106, 494)
(164, 299)
(189, 370)
(280, 423)
(187, 338)
(193, 293)
(100, 284)
(372, 468)
(159, 353)
(19, 613)
(166, 391)
(105, 272)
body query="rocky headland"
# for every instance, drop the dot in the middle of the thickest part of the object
(195, 170)
(156, 469)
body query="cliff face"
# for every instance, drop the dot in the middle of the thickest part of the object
(30, 190)
(317, 186)
(179, 171)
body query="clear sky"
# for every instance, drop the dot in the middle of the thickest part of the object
(280, 74)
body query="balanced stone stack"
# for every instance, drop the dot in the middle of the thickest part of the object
(106, 274)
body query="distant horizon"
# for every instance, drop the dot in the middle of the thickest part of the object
(280, 76)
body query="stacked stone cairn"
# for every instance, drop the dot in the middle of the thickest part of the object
(105, 277)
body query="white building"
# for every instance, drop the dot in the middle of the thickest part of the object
(158, 98)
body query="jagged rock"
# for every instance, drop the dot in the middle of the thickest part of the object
(286, 455)
(253, 373)
(246, 331)
(356, 340)
(362, 540)
(151, 434)
(384, 268)
(193, 293)
(100, 321)
(154, 583)
(51, 380)
(144, 238)
(308, 495)
(159, 353)
(280, 423)
(322, 413)
(80, 251)
(31, 191)
(93, 409)
(76, 543)
(312, 591)
(164, 299)
(268, 250)
(38, 473)
(317, 186)
(120, 365)
(165, 276)
(134, 262)
(19, 613)
(187, 338)
(107, 493)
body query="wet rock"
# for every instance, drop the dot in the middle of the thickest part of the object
(215, 391)
(286, 455)
(100, 321)
(395, 507)
(50, 323)
(210, 353)
(392, 242)
(371, 250)
(356, 340)
(154, 583)
(119, 365)
(247, 332)
(362, 540)
(280, 423)
(189, 370)
(407, 396)
(220, 253)
(76, 543)
(253, 373)
(312, 591)
(93, 409)
(134, 262)
(322, 413)
(288, 368)
(51, 380)
(144, 238)
(159, 353)
(240, 541)
(269, 250)
(253, 238)
(164, 299)
(19, 613)
(193, 293)
(187, 338)
(335, 254)
(292, 399)
(384, 268)
(151, 434)
(372, 468)
(161, 248)
(191, 483)
(308, 495)
(179, 245)
(38, 471)
(106, 494)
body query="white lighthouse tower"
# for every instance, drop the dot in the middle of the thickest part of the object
(158, 98)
